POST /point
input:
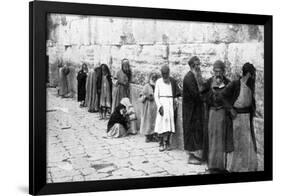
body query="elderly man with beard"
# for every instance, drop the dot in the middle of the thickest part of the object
(192, 110)
(219, 122)
(241, 96)
(165, 96)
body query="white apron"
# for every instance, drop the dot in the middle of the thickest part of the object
(164, 97)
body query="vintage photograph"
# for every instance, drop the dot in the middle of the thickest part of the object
(139, 98)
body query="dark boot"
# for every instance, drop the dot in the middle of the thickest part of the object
(167, 145)
(161, 144)
(147, 138)
(194, 160)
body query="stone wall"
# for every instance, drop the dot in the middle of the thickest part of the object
(148, 44)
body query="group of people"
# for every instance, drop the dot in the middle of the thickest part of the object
(217, 114)
(218, 118)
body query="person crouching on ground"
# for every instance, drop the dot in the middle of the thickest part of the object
(149, 109)
(118, 125)
(105, 92)
(130, 115)
(166, 92)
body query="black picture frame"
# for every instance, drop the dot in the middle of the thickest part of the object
(38, 11)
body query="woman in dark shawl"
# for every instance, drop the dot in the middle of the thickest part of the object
(81, 84)
(105, 92)
(91, 100)
(121, 83)
(118, 124)
(63, 90)
(98, 74)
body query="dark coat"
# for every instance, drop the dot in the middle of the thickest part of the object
(176, 93)
(81, 85)
(98, 72)
(231, 93)
(192, 111)
(116, 117)
(212, 100)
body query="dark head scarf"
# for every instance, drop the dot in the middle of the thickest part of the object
(154, 77)
(116, 117)
(249, 68)
(127, 72)
(192, 60)
(219, 64)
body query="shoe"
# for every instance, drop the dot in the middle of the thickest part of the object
(168, 147)
(147, 139)
(194, 160)
(161, 148)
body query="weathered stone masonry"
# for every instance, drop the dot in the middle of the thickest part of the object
(148, 44)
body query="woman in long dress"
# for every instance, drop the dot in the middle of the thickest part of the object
(121, 83)
(81, 84)
(105, 95)
(63, 72)
(149, 109)
(91, 99)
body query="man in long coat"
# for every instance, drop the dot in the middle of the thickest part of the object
(165, 95)
(240, 94)
(220, 132)
(192, 110)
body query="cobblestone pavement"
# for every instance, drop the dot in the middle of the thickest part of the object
(78, 149)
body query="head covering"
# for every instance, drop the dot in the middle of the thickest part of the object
(152, 75)
(192, 60)
(117, 117)
(129, 107)
(126, 102)
(248, 68)
(165, 69)
(219, 64)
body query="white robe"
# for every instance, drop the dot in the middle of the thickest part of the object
(164, 97)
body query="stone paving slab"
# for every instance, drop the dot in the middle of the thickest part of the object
(79, 150)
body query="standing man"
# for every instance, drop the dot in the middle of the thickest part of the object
(192, 110)
(219, 123)
(241, 96)
(165, 95)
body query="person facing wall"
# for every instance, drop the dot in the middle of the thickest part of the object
(121, 83)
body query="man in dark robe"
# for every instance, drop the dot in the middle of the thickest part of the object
(192, 110)
(240, 94)
(220, 140)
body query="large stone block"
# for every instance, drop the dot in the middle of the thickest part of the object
(152, 54)
(240, 53)
(144, 31)
(124, 51)
(208, 53)
(173, 32)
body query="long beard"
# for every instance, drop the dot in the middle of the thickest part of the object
(251, 84)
